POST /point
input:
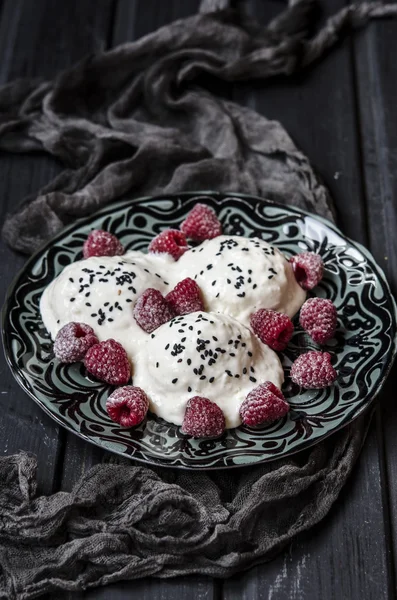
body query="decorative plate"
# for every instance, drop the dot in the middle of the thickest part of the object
(363, 348)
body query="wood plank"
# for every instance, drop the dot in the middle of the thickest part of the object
(37, 39)
(318, 110)
(134, 19)
(376, 73)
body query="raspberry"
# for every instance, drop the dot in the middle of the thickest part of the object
(102, 243)
(73, 341)
(313, 370)
(308, 268)
(185, 298)
(108, 361)
(273, 328)
(264, 404)
(152, 310)
(201, 224)
(203, 418)
(170, 241)
(127, 406)
(318, 317)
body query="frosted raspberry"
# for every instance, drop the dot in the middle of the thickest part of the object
(72, 342)
(186, 297)
(152, 310)
(318, 317)
(102, 243)
(201, 224)
(127, 406)
(308, 268)
(170, 241)
(264, 404)
(273, 328)
(203, 418)
(108, 361)
(313, 370)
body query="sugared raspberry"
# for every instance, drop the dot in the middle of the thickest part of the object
(318, 317)
(127, 406)
(201, 224)
(186, 297)
(108, 361)
(102, 243)
(203, 418)
(263, 404)
(308, 268)
(170, 241)
(152, 310)
(272, 328)
(73, 341)
(313, 370)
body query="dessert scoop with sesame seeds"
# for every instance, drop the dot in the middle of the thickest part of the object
(206, 354)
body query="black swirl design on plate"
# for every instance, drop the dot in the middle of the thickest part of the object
(363, 348)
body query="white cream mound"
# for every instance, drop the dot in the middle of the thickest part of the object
(204, 354)
(237, 276)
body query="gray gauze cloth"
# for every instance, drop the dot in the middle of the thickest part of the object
(134, 121)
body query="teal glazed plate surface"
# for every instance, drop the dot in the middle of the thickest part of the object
(363, 348)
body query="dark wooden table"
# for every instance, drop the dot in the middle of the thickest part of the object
(343, 115)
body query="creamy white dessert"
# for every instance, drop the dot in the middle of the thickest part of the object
(237, 276)
(203, 354)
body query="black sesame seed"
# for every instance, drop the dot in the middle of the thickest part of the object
(252, 369)
(189, 361)
(167, 346)
(231, 354)
(175, 380)
(72, 299)
(202, 377)
(244, 371)
(152, 335)
(189, 389)
(253, 379)
(157, 365)
(249, 353)
(195, 371)
(110, 320)
(212, 380)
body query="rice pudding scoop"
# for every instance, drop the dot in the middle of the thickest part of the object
(240, 275)
(203, 354)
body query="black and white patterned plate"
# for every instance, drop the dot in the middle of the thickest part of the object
(363, 348)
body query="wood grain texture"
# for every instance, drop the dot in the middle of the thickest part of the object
(376, 76)
(132, 20)
(318, 109)
(37, 39)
